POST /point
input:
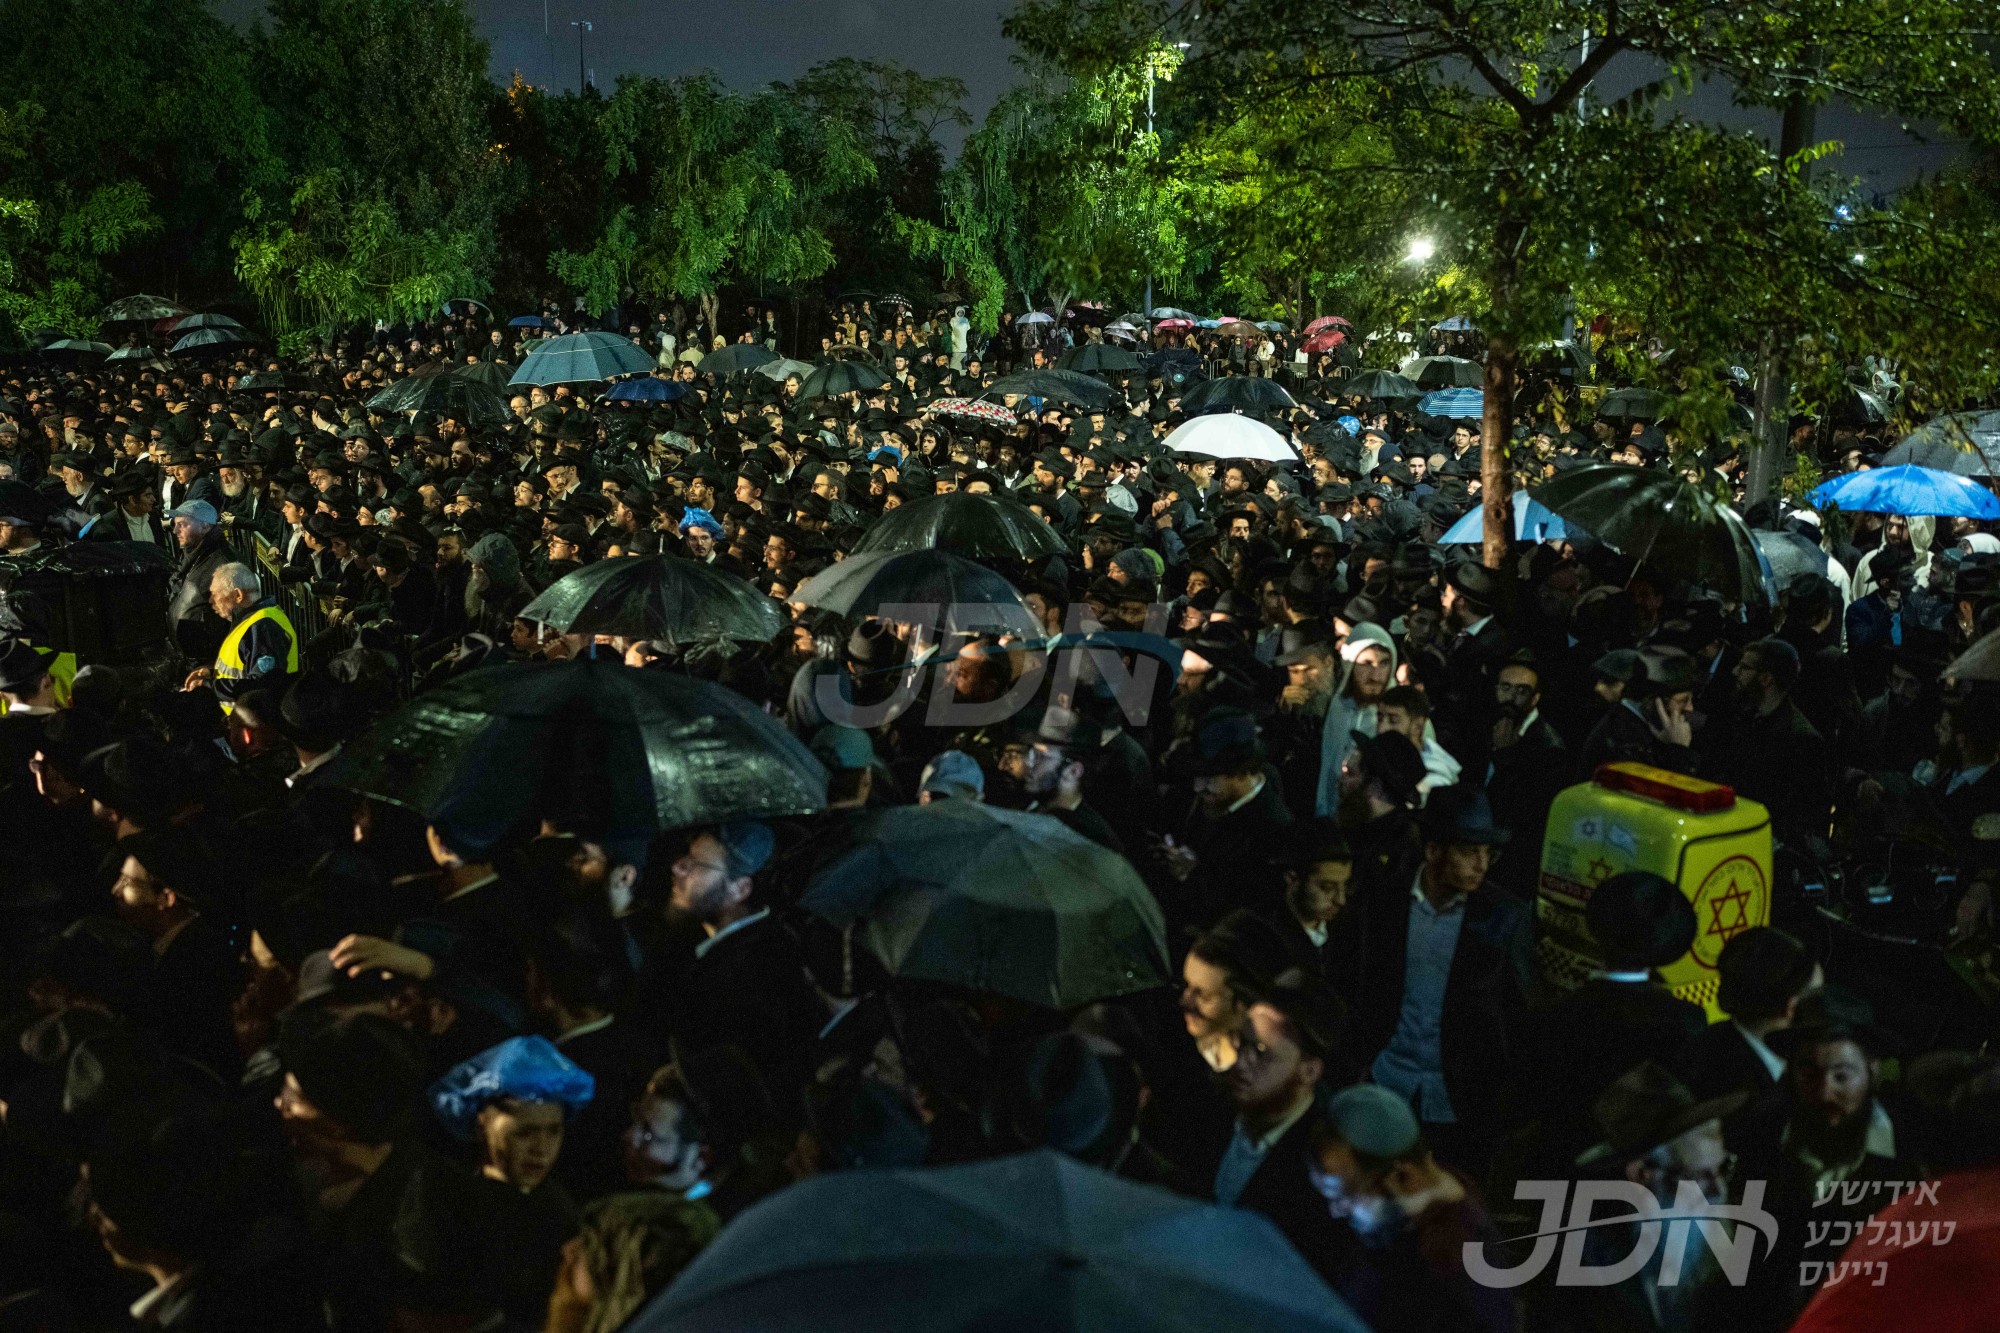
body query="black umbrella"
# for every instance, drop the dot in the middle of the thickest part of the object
(839, 377)
(1981, 661)
(656, 597)
(493, 374)
(1036, 1241)
(1247, 393)
(261, 380)
(625, 751)
(996, 901)
(930, 588)
(1967, 443)
(1382, 386)
(1631, 405)
(1100, 357)
(1446, 372)
(736, 356)
(1790, 555)
(206, 320)
(1064, 386)
(979, 527)
(1664, 521)
(436, 389)
(1857, 409)
(209, 338)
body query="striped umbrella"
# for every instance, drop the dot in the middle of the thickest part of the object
(1463, 404)
(970, 408)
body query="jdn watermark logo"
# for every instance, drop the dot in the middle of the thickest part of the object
(1734, 1247)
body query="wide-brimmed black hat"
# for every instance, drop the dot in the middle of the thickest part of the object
(1640, 919)
(21, 667)
(1833, 1014)
(1461, 814)
(1225, 741)
(1392, 760)
(317, 710)
(1647, 1107)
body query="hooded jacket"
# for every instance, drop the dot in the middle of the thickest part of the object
(1344, 715)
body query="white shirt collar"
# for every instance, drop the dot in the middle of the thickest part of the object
(1266, 1141)
(1248, 796)
(702, 949)
(317, 761)
(1770, 1058)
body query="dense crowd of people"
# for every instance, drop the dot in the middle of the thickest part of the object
(281, 1056)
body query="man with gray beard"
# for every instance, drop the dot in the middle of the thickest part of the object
(243, 509)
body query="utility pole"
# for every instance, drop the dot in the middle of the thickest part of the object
(1149, 135)
(582, 26)
(549, 45)
(1774, 383)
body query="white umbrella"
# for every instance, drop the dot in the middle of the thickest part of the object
(1036, 317)
(1227, 435)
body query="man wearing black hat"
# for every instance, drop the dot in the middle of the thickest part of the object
(183, 480)
(1220, 857)
(1479, 646)
(1763, 976)
(1640, 922)
(1378, 785)
(1446, 971)
(133, 515)
(1768, 751)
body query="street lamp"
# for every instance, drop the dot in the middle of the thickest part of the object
(582, 26)
(1421, 250)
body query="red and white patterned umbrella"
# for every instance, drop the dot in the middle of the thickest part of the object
(969, 407)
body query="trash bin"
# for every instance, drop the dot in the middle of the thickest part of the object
(1701, 835)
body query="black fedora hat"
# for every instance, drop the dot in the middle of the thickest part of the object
(1640, 919)
(1833, 1014)
(1461, 814)
(1645, 1108)
(1225, 741)
(1393, 761)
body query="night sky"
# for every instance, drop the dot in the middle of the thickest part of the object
(753, 42)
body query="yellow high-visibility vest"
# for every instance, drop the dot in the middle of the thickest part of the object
(229, 663)
(62, 674)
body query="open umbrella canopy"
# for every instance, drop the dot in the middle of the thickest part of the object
(935, 589)
(656, 597)
(1967, 443)
(783, 368)
(590, 744)
(1323, 341)
(1455, 324)
(735, 357)
(1036, 317)
(1173, 312)
(978, 527)
(527, 322)
(997, 901)
(79, 347)
(142, 309)
(1533, 522)
(1382, 386)
(213, 336)
(1230, 436)
(1663, 521)
(1174, 325)
(1445, 372)
(1327, 322)
(1790, 555)
(577, 358)
(839, 377)
(1979, 662)
(1247, 393)
(969, 409)
(205, 320)
(1065, 386)
(261, 381)
(646, 389)
(1034, 1241)
(1631, 405)
(131, 354)
(492, 374)
(1100, 357)
(1907, 489)
(1458, 404)
(1237, 328)
(436, 389)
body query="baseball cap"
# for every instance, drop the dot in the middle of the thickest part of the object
(199, 511)
(954, 773)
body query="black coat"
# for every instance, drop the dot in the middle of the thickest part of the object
(1584, 1041)
(1486, 994)
(1781, 761)
(1232, 857)
(749, 989)
(1622, 736)
(1282, 1191)
(1527, 775)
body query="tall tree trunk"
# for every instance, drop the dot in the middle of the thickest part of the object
(1774, 386)
(1496, 474)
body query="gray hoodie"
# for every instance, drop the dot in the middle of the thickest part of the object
(1344, 715)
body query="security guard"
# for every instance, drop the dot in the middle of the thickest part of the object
(262, 648)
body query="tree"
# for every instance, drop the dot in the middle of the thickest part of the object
(1500, 156)
(1058, 194)
(123, 121)
(390, 200)
(707, 187)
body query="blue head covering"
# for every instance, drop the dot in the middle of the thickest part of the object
(697, 517)
(529, 1069)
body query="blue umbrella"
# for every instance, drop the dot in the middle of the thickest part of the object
(1456, 324)
(1033, 1241)
(647, 390)
(1533, 522)
(579, 357)
(1465, 404)
(526, 322)
(1909, 490)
